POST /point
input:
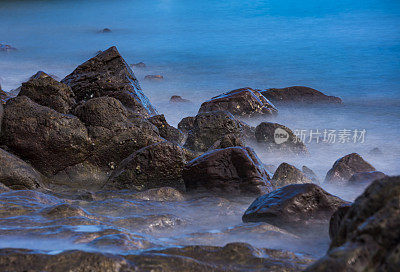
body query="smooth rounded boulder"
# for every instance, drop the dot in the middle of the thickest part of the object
(107, 74)
(46, 91)
(229, 171)
(244, 102)
(344, 168)
(367, 238)
(157, 165)
(209, 127)
(287, 174)
(294, 207)
(17, 174)
(49, 140)
(276, 137)
(299, 95)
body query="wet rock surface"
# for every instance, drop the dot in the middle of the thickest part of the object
(287, 174)
(46, 91)
(157, 165)
(167, 131)
(365, 177)
(209, 127)
(276, 137)
(17, 174)
(153, 77)
(299, 95)
(344, 168)
(233, 170)
(49, 140)
(107, 74)
(244, 102)
(186, 124)
(3, 96)
(294, 207)
(368, 235)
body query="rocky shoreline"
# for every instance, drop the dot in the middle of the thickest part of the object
(96, 132)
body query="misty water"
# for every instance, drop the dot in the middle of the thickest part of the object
(349, 49)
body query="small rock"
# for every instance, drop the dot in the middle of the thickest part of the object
(365, 177)
(154, 77)
(375, 151)
(167, 131)
(161, 194)
(345, 167)
(299, 95)
(7, 48)
(17, 174)
(276, 137)
(233, 170)
(244, 102)
(139, 65)
(178, 99)
(310, 174)
(105, 30)
(288, 174)
(294, 207)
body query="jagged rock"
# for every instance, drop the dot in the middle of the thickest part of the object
(107, 74)
(17, 174)
(347, 166)
(229, 140)
(178, 99)
(368, 235)
(154, 77)
(244, 102)
(365, 177)
(115, 135)
(294, 207)
(154, 166)
(310, 174)
(233, 170)
(299, 95)
(167, 131)
(186, 124)
(336, 219)
(46, 91)
(232, 257)
(49, 140)
(276, 137)
(288, 174)
(209, 127)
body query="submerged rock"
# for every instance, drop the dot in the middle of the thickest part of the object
(276, 137)
(178, 99)
(234, 170)
(105, 30)
(107, 74)
(167, 131)
(209, 127)
(17, 174)
(365, 177)
(46, 91)
(7, 48)
(161, 194)
(244, 102)
(344, 168)
(368, 235)
(375, 151)
(49, 140)
(299, 95)
(139, 65)
(232, 257)
(294, 207)
(287, 174)
(154, 166)
(154, 77)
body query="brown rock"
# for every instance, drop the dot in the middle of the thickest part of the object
(167, 131)
(178, 99)
(154, 77)
(288, 174)
(186, 124)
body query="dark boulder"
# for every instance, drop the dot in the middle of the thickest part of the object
(1, 114)
(244, 102)
(178, 99)
(368, 235)
(49, 140)
(105, 30)
(157, 165)
(299, 95)
(234, 170)
(107, 74)
(3, 96)
(310, 174)
(276, 137)
(167, 131)
(17, 174)
(186, 124)
(209, 127)
(160, 194)
(229, 140)
(344, 168)
(336, 219)
(294, 207)
(288, 174)
(365, 177)
(46, 91)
